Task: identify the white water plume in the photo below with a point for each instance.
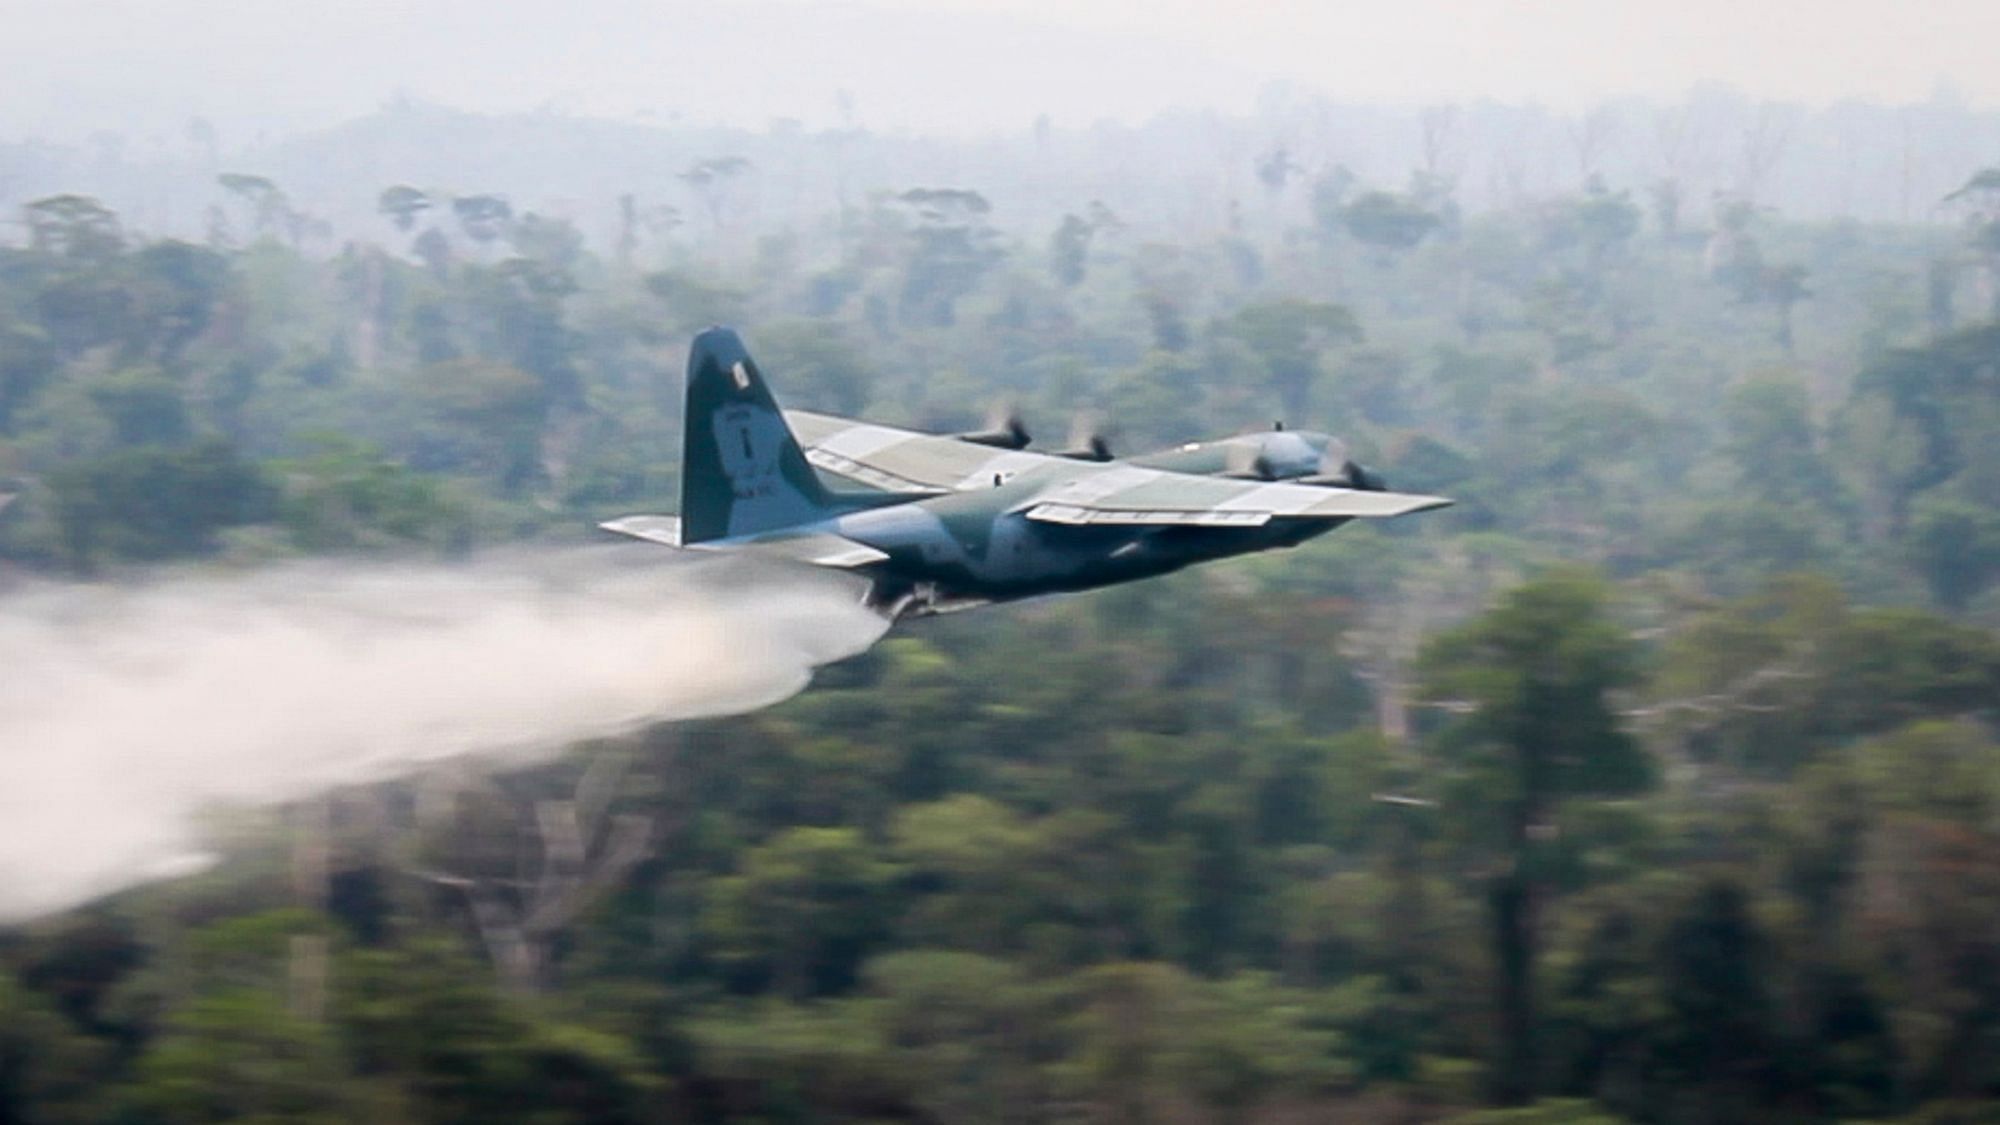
(125, 711)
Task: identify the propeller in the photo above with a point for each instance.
(1086, 443)
(1337, 471)
(1094, 448)
(1245, 461)
(1367, 479)
(1004, 430)
(1333, 459)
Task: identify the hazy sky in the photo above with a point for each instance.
(146, 66)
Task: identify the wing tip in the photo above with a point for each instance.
(1427, 503)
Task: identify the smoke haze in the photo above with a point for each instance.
(124, 712)
(943, 66)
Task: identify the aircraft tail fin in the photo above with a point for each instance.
(742, 471)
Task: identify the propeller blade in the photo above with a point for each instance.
(1337, 470)
(1094, 449)
(1333, 459)
(1086, 443)
(1246, 461)
(1004, 430)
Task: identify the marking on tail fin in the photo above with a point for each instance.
(750, 443)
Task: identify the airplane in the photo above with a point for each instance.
(946, 522)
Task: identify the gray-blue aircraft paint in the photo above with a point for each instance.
(942, 523)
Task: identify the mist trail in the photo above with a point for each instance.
(126, 711)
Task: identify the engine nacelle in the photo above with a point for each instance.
(1277, 455)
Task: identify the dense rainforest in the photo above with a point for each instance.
(1656, 781)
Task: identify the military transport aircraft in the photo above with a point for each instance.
(945, 523)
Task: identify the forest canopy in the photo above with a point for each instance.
(1658, 780)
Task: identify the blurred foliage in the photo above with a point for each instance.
(1700, 825)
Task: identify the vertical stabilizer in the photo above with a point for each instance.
(742, 471)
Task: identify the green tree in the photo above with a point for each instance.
(237, 1055)
(1251, 1041)
(1979, 200)
(173, 291)
(973, 1036)
(1921, 416)
(1783, 287)
(484, 218)
(346, 496)
(486, 417)
(28, 363)
(270, 210)
(1132, 1017)
(1887, 667)
(822, 361)
(1596, 224)
(1604, 1002)
(803, 911)
(1069, 251)
(143, 408)
(951, 248)
(1534, 678)
(977, 863)
(1290, 336)
(49, 1070)
(75, 227)
(1955, 546)
(1719, 1040)
(1929, 886)
(1773, 442)
(713, 182)
(155, 503)
(425, 1023)
(403, 205)
(1388, 221)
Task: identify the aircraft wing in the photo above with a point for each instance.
(1136, 496)
(896, 460)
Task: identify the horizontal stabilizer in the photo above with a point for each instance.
(653, 529)
(822, 549)
(817, 548)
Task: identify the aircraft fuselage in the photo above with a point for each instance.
(978, 546)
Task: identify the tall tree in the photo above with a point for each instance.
(1532, 681)
(402, 204)
(76, 227)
